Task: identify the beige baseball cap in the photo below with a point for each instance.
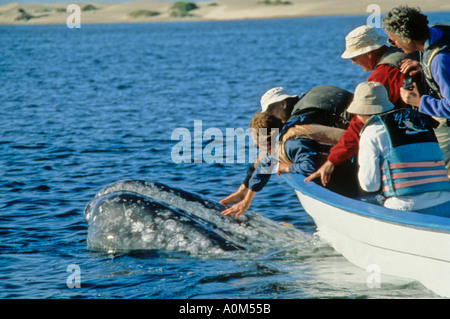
(370, 98)
(276, 94)
(362, 40)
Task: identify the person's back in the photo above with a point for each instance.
(400, 155)
(322, 104)
(317, 122)
(303, 152)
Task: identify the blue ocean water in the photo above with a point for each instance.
(82, 108)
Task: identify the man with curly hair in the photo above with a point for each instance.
(407, 28)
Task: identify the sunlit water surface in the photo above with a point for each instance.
(83, 108)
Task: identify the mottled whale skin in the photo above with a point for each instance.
(140, 215)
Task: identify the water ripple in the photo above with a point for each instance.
(87, 108)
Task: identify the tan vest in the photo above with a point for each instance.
(324, 135)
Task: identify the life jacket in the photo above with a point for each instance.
(441, 45)
(324, 104)
(321, 112)
(324, 136)
(415, 162)
(393, 57)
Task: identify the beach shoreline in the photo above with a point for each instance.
(220, 10)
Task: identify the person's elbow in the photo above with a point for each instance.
(368, 185)
(303, 168)
(368, 188)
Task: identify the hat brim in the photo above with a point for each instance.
(348, 54)
(361, 108)
(276, 99)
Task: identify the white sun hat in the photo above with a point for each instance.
(370, 98)
(276, 94)
(362, 40)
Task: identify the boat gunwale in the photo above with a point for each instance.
(354, 206)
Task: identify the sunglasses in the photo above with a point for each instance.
(391, 42)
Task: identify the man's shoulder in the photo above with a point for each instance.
(373, 128)
(383, 73)
(442, 59)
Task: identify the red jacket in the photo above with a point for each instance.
(348, 144)
(392, 79)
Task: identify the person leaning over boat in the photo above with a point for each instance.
(276, 101)
(408, 29)
(399, 154)
(366, 48)
(299, 152)
(280, 103)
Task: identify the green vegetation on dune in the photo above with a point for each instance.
(274, 2)
(182, 8)
(143, 13)
(89, 7)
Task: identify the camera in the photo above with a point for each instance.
(408, 83)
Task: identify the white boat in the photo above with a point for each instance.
(403, 244)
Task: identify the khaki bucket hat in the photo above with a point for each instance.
(276, 94)
(370, 98)
(362, 40)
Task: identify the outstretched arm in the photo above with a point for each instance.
(346, 147)
(241, 207)
(258, 180)
(238, 195)
(324, 172)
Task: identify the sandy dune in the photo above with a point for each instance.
(148, 11)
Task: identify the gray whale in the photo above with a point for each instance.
(139, 215)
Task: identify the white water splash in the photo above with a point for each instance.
(117, 223)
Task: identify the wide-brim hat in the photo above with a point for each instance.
(276, 94)
(362, 40)
(370, 98)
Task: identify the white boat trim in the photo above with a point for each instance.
(404, 244)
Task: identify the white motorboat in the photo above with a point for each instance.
(404, 244)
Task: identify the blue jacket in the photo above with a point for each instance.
(304, 154)
(440, 70)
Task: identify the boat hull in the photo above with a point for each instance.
(403, 244)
